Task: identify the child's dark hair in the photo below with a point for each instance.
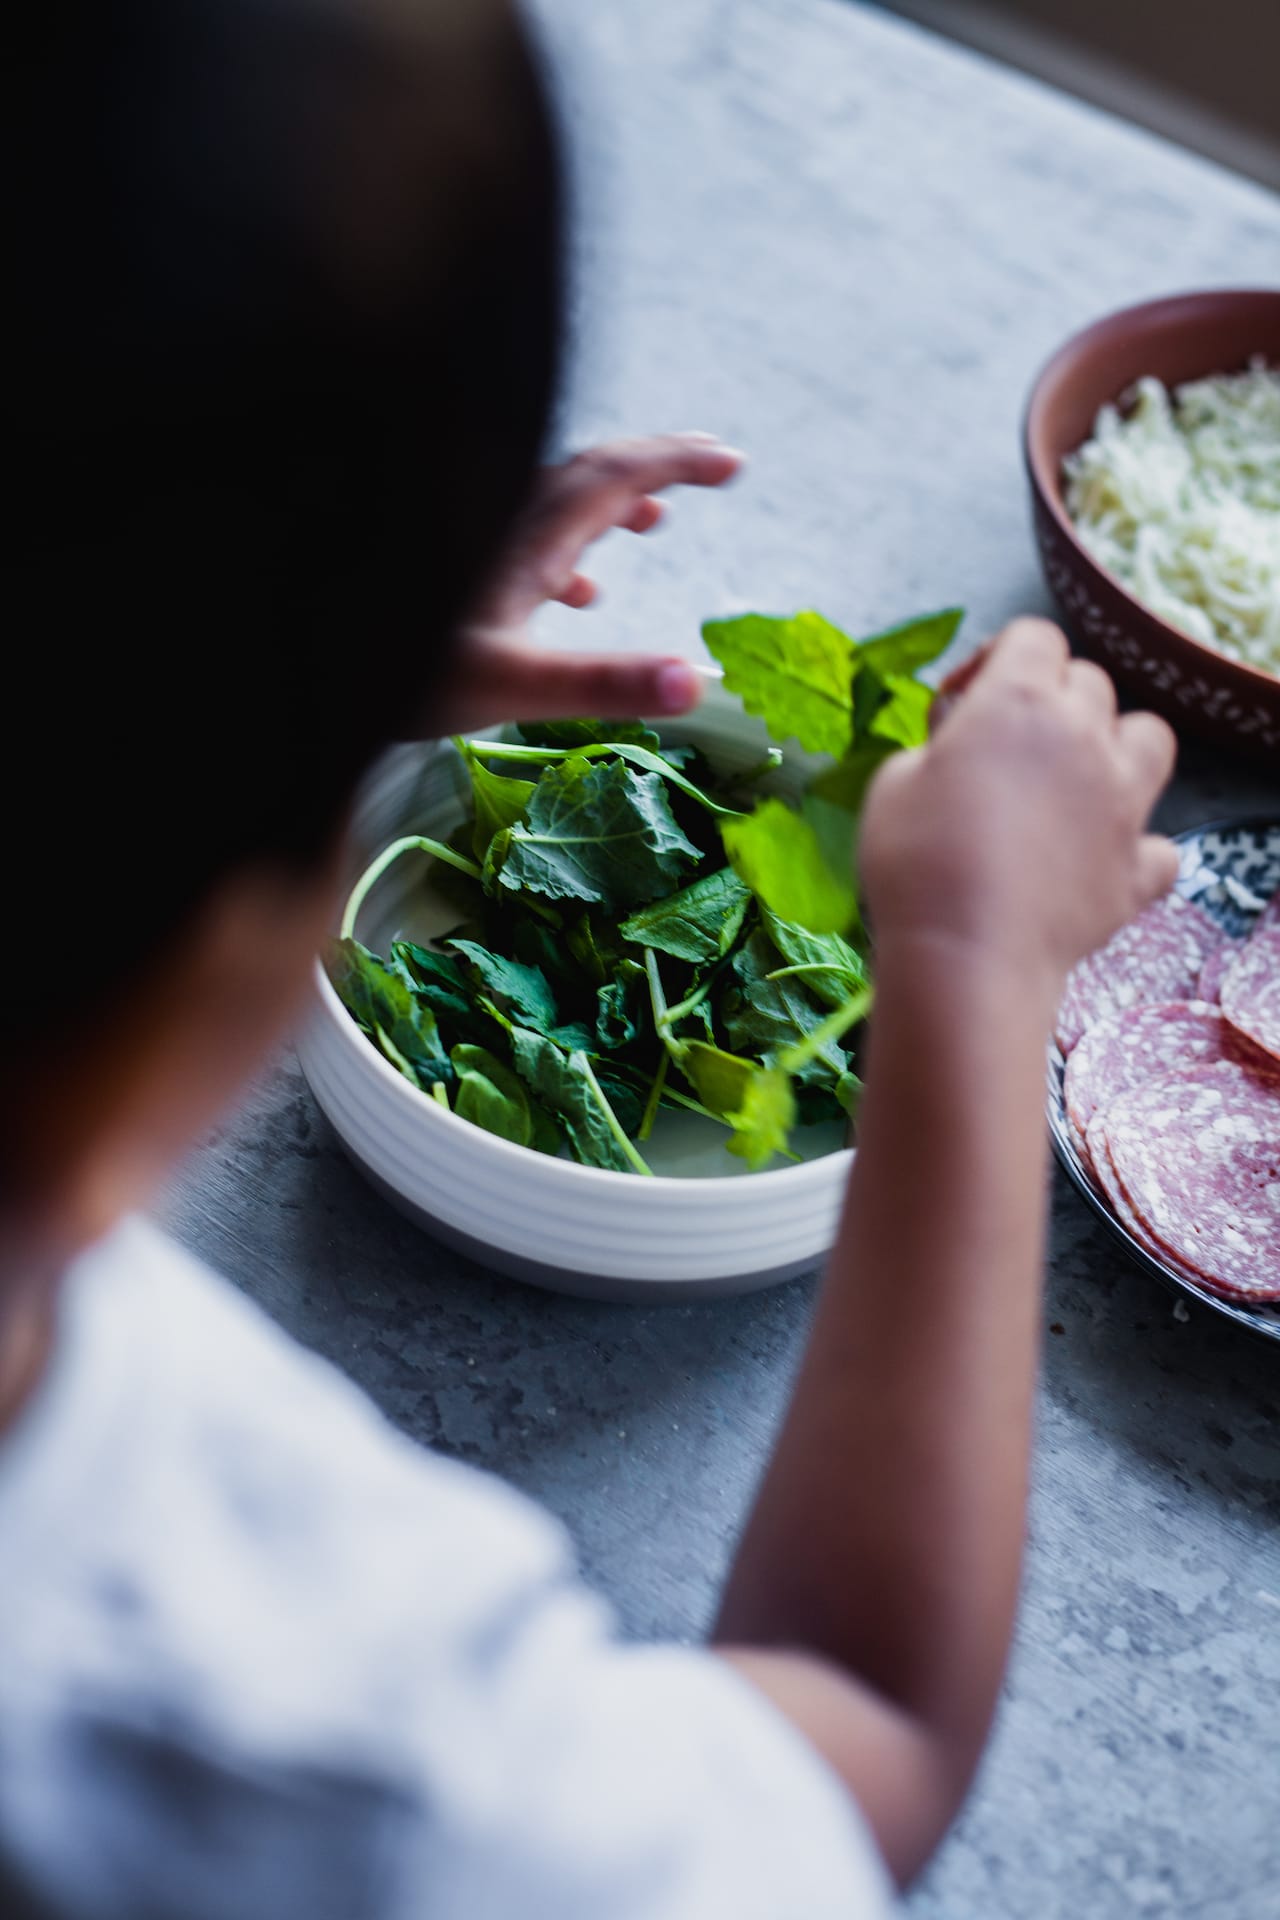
(287, 288)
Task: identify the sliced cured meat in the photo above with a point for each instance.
(1209, 985)
(1146, 1043)
(1270, 915)
(1157, 957)
(1197, 1157)
(1104, 1172)
(1251, 990)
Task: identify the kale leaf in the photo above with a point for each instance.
(795, 674)
(383, 1001)
(595, 831)
(699, 923)
(779, 855)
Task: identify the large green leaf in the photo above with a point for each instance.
(437, 978)
(523, 992)
(827, 966)
(832, 806)
(719, 1078)
(596, 831)
(779, 855)
(699, 923)
(763, 1123)
(668, 764)
(383, 1001)
(566, 1084)
(767, 1018)
(499, 801)
(795, 674)
(491, 1096)
(914, 644)
(755, 1100)
(903, 718)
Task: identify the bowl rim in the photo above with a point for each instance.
(507, 1154)
(1047, 484)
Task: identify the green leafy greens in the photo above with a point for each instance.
(644, 933)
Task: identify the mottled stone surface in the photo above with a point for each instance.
(848, 247)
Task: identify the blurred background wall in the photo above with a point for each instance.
(1203, 72)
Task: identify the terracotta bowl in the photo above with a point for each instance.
(1199, 690)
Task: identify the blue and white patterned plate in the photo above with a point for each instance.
(1231, 868)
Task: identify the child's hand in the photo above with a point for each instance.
(1019, 831)
(501, 674)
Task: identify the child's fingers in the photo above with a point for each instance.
(612, 485)
(507, 681)
(1157, 867)
(608, 685)
(649, 465)
(1093, 690)
(1027, 653)
(578, 591)
(1148, 748)
(646, 513)
(1032, 652)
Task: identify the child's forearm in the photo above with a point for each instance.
(886, 1539)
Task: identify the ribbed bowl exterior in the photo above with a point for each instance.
(577, 1229)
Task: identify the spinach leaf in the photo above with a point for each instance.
(622, 1096)
(544, 947)
(849, 1092)
(588, 951)
(720, 1079)
(595, 832)
(524, 992)
(768, 1017)
(589, 733)
(903, 718)
(699, 923)
(822, 962)
(795, 674)
(384, 1003)
(905, 649)
(437, 979)
(763, 1123)
(491, 1095)
(567, 1085)
(832, 807)
(755, 1101)
(499, 801)
(616, 1006)
(665, 765)
(779, 855)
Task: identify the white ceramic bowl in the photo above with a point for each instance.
(616, 1236)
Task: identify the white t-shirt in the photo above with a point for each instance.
(262, 1658)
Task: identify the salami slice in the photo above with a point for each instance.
(1157, 957)
(1146, 1043)
(1209, 985)
(1104, 1171)
(1270, 915)
(1251, 990)
(1197, 1156)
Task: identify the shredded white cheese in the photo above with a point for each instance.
(1179, 497)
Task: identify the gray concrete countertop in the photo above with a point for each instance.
(848, 247)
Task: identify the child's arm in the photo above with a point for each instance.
(874, 1592)
(500, 674)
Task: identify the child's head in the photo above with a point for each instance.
(287, 298)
